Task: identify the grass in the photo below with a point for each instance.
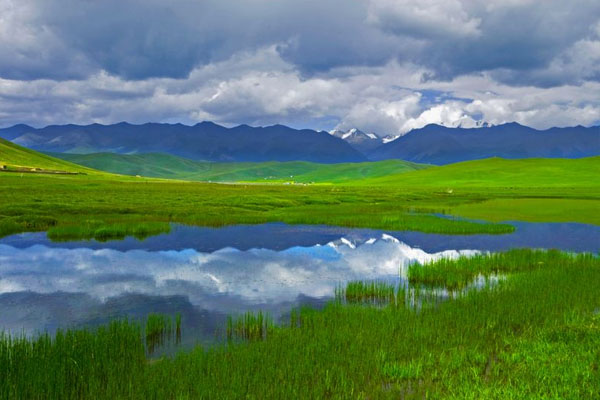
(250, 326)
(505, 173)
(168, 166)
(161, 329)
(13, 156)
(373, 292)
(457, 274)
(535, 210)
(121, 205)
(534, 335)
(104, 232)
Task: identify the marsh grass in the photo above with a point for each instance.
(103, 232)
(370, 292)
(534, 335)
(160, 330)
(457, 274)
(72, 364)
(250, 326)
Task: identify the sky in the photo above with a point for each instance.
(383, 66)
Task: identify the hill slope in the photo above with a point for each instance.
(173, 167)
(204, 141)
(435, 144)
(498, 172)
(15, 157)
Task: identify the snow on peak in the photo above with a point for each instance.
(390, 138)
(348, 243)
(353, 133)
(389, 238)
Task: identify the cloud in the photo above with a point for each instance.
(423, 18)
(262, 88)
(371, 64)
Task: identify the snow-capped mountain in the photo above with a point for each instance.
(361, 141)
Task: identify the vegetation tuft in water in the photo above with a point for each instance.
(250, 326)
(456, 274)
(161, 329)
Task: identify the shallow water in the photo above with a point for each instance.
(208, 273)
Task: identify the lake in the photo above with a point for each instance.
(209, 273)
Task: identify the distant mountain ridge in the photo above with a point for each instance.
(204, 141)
(436, 144)
(361, 141)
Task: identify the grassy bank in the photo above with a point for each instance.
(533, 335)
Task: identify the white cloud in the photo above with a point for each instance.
(261, 88)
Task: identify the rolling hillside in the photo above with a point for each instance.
(14, 157)
(498, 172)
(173, 167)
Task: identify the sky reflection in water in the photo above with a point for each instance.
(196, 271)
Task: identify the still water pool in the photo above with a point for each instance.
(209, 273)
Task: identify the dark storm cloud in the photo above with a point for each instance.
(140, 39)
(364, 63)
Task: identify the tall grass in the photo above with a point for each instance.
(250, 326)
(73, 364)
(161, 329)
(534, 335)
(456, 274)
(370, 292)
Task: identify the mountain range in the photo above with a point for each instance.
(435, 144)
(207, 141)
(204, 141)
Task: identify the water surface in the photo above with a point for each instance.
(208, 273)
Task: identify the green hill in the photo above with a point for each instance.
(499, 172)
(16, 158)
(168, 166)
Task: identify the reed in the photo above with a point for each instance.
(250, 326)
(536, 334)
(457, 274)
(370, 292)
(160, 330)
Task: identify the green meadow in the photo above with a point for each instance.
(102, 205)
(167, 166)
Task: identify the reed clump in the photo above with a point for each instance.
(370, 292)
(458, 273)
(104, 232)
(250, 326)
(161, 329)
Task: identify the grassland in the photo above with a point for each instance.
(534, 335)
(103, 205)
(14, 156)
(172, 167)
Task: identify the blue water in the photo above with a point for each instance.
(208, 273)
(278, 236)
